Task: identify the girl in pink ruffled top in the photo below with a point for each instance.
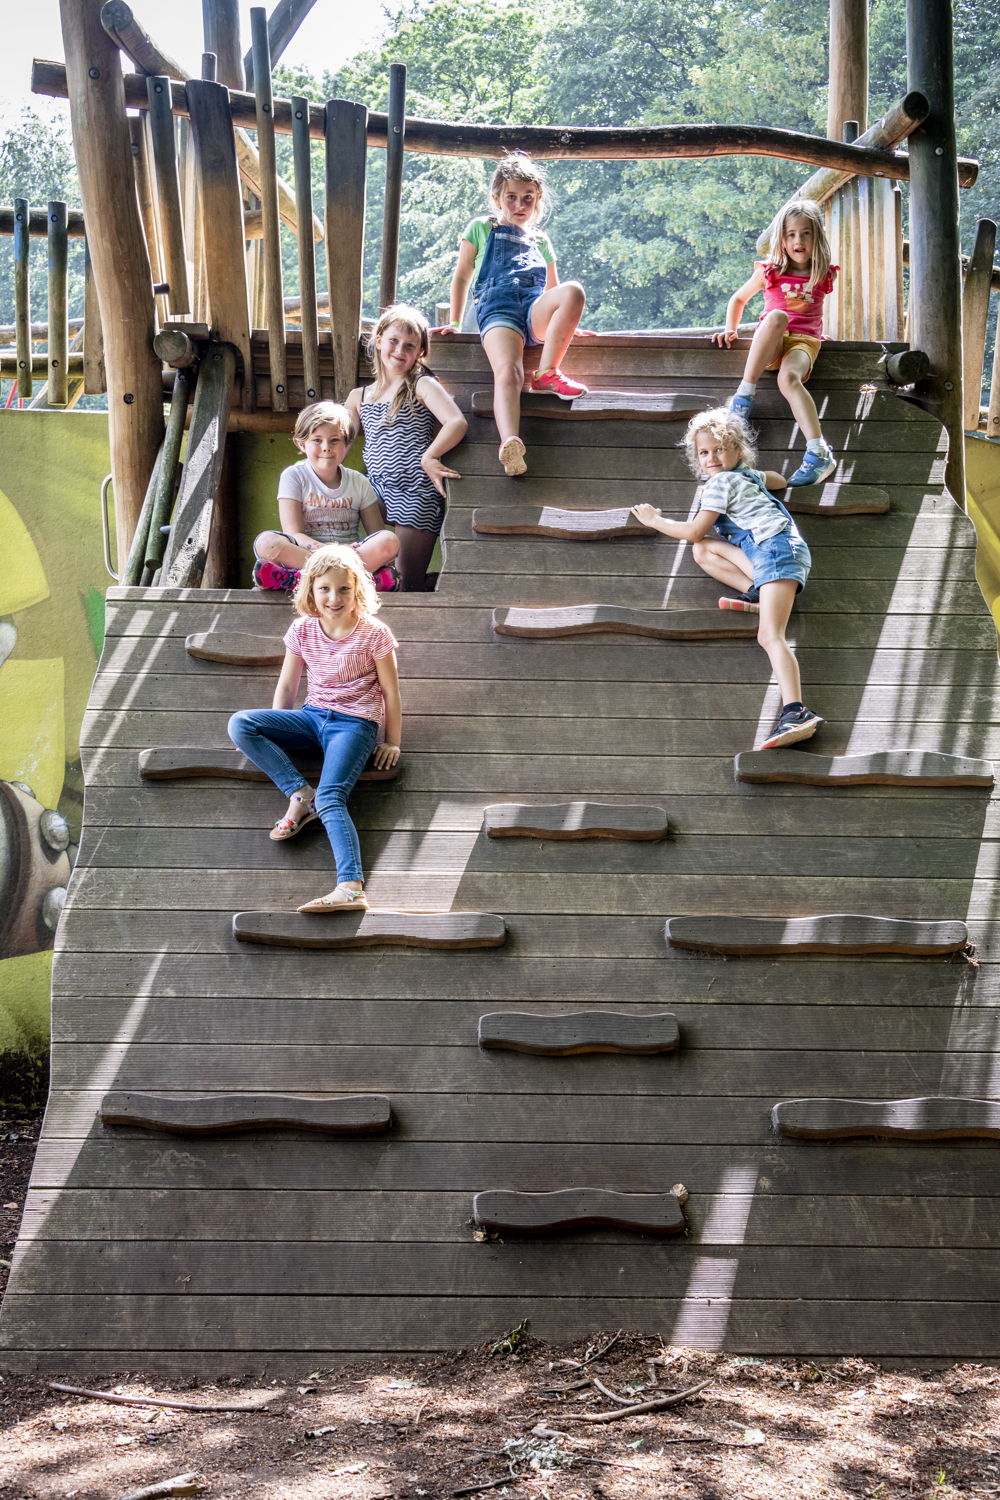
(795, 277)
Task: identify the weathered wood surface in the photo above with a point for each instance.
(936, 1118)
(578, 1031)
(598, 406)
(171, 764)
(844, 933)
(197, 505)
(371, 929)
(503, 1212)
(588, 619)
(223, 1114)
(890, 768)
(235, 649)
(574, 820)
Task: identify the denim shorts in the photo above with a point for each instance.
(507, 303)
(781, 556)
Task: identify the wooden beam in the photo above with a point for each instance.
(95, 376)
(393, 184)
(22, 296)
(58, 341)
(38, 222)
(975, 316)
(847, 95)
(168, 195)
(190, 535)
(309, 321)
(118, 20)
(346, 148)
(221, 28)
(274, 307)
(286, 18)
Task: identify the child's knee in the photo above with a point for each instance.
(701, 552)
(267, 545)
(237, 724)
(574, 297)
(789, 380)
(775, 321)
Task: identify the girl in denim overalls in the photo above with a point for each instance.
(746, 539)
(519, 299)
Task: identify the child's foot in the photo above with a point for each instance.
(740, 406)
(272, 575)
(747, 602)
(814, 468)
(511, 455)
(341, 898)
(386, 579)
(794, 723)
(554, 383)
(301, 810)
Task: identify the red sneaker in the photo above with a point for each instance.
(386, 579)
(554, 383)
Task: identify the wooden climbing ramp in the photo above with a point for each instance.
(260, 1147)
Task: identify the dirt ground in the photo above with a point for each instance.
(506, 1420)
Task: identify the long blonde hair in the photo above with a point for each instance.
(771, 244)
(413, 322)
(335, 555)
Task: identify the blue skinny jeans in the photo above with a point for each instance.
(345, 743)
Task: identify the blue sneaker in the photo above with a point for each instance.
(740, 406)
(814, 468)
(794, 724)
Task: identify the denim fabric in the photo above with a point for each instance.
(782, 556)
(510, 281)
(345, 742)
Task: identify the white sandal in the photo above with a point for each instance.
(341, 898)
(287, 827)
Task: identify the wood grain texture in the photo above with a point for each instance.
(887, 768)
(371, 929)
(578, 1031)
(171, 764)
(604, 405)
(933, 1118)
(233, 648)
(842, 933)
(500, 1211)
(574, 820)
(225, 1114)
(614, 619)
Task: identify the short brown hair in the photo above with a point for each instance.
(311, 417)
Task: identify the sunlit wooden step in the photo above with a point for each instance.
(885, 768)
(936, 1118)
(174, 763)
(574, 820)
(502, 1211)
(578, 1031)
(616, 619)
(849, 933)
(371, 929)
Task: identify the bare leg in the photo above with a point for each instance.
(415, 549)
(776, 600)
(766, 345)
(378, 549)
(505, 352)
(724, 562)
(271, 546)
(794, 368)
(555, 318)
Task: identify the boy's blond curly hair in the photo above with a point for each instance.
(335, 555)
(724, 426)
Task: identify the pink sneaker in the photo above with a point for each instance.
(554, 383)
(386, 579)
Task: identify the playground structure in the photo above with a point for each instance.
(269, 1135)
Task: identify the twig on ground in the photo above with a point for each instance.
(579, 1364)
(612, 1395)
(489, 1484)
(640, 1406)
(420, 1411)
(574, 1385)
(80, 1390)
(181, 1484)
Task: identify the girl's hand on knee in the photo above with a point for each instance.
(647, 514)
(384, 757)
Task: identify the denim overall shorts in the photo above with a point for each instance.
(784, 555)
(511, 278)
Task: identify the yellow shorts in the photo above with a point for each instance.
(799, 341)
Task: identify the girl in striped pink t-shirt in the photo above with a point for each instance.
(351, 713)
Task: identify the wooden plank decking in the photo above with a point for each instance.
(204, 1252)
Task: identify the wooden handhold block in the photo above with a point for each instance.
(574, 820)
(616, 619)
(833, 499)
(174, 764)
(501, 1211)
(936, 1118)
(217, 1114)
(886, 768)
(579, 1031)
(239, 650)
(596, 406)
(826, 934)
(371, 929)
(550, 520)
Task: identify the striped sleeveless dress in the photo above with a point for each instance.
(392, 458)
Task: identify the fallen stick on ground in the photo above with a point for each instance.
(611, 1395)
(81, 1390)
(638, 1408)
(181, 1484)
(578, 1364)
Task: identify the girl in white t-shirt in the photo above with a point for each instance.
(320, 501)
(351, 713)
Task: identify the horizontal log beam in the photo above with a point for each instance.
(555, 142)
(38, 222)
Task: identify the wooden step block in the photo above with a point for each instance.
(937, 1118)
(371, 929)
(826, 934)
(597, 406)
(834, 498)
(219, 1114)
(578, 1031)
(235, 648)
(500, 1211)
(884, 768)
(574, 820)
(552, 521)
(616, 619)
(177, 763)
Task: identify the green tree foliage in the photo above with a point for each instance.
(37, 163)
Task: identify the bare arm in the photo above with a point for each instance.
(353, 404)
(387, 754)
(734, 311)
(289, 678)
(290, 515)
(775, 481)
(453, 429)
(462, 280)
(682, 531)
(551, 275)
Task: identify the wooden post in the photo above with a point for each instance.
(58, 340)
(935, 265)
(307, 253)
(22, 295)
(393, 184)
(274, 300)
(286, 18)
(346, 145)
(190, 536)
(993, 414)
(847, 98)
(168, 196)
(156, 542)
(121, 265)
(975, 315)
(221, 26)
(95, 380)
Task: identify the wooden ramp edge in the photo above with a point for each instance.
(574, 820)
(935, 1118)
(844, 933)
(370, 929)
(502, 1211)
(885, 768)
(616, 619)
(220, 1114)
(578, 1032)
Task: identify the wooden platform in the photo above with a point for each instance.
(306, 1244)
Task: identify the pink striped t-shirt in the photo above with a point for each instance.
(341, 674)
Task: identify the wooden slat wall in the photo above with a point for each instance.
(199, 1253)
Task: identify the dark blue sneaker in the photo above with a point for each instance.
(814, 468)
(740, 406)
(793, 724)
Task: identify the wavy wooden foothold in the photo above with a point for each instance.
(371, 929)
(578, 1031)
(553, 521)
(574, 820)
(220, 1114)
(835, 500)
(597, 406)
(885, 768)
(235, 648)
(501, 1211)
(936, 1118)
(836, 933)
(175, 764)
(615, 619)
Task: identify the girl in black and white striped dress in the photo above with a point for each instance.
(409, 421)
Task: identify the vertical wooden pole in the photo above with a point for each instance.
(168, 196)
(221, 26)
(848, 93)
(307, 252)
(396, 125)
(897, 216)
(95, 380)
(935, 257)
(274, 298)
(58, 341)
(993, 415)
(144, 194)
(22, 296)
(346, 145)
(121, 265)
(975, 315)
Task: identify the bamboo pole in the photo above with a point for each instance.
(221, 26)
(307, 255)
(274, 319)
(58, 352)
(121, 265)
(168, 196)
(22, 296)
(286, 18)
(393, 184)
(847, 96)
(346, 145)
(975, 316)
(95, 377)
